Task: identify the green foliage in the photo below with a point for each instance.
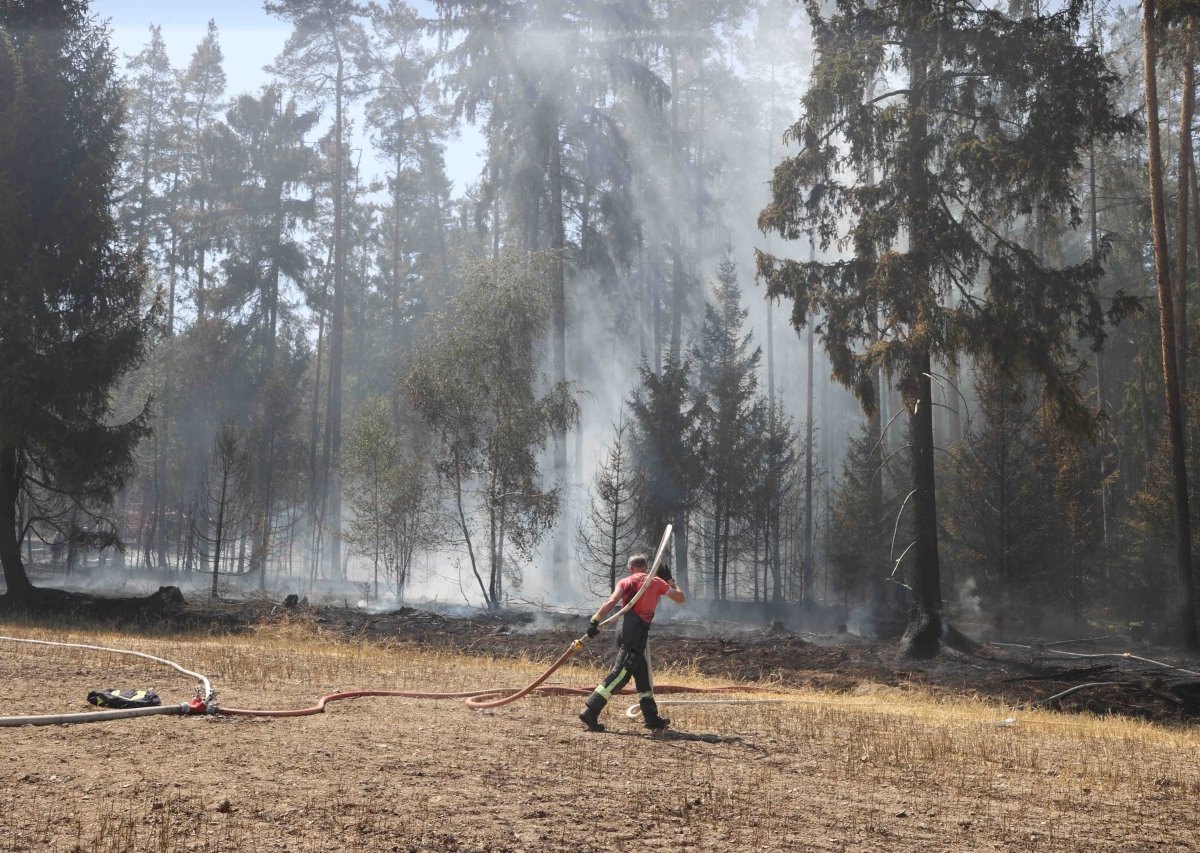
(271, 161)
(665, 440)
(608, 531)
(990, 127)
(388, 486)
(72, 318)
(861, 527)
(546, 73)
(152, 88)
(473, 382)
(730, 419)
(773, 484)
(982, 120)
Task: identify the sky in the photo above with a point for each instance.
(250, 40)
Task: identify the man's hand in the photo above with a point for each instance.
(664, 572)
(593, 628)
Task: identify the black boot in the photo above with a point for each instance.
(650, 717)
(656, 723)
(591, 712)
(588, 716)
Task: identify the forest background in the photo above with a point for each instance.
(461, 303)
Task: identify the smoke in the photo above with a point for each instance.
(967, 600)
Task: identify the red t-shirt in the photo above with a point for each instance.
(648, 602)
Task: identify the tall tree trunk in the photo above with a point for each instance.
(559, 310)
(15, 579)
(397, 290)
(922, 636)
(680, 525)
(677, 279)
(266, 382)
(809, 423)
(1187, 108)
(333, 421)
(1186, 613)
(1094, 228)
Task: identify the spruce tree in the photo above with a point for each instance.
(72, 318)
(727, 386)
(986, 123)
(665, 440)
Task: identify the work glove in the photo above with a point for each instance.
(593, 628)
(664, 572)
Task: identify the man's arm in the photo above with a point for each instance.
(675, 593)
(608, 605)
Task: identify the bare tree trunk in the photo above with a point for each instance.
(1188, 103)
(16, 580)
(333, 418)
(1186, 613)
(677, 282)
(559, 308)
(809, 549)
(922, 636)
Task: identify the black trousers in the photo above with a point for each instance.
(632, 662)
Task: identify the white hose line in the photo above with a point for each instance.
(208, 691)
(662, 547)
(634, 711)
(92, 717)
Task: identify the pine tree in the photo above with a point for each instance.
(324, 56)
(151, 86)
(201, 102)
(1174, 388)
(72, 317)
(274, 162)
(544, 71)
(987, 126)
(410, 121)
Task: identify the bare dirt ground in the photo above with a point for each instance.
(866, 752)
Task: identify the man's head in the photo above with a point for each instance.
(637, 563)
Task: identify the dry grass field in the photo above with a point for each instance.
(872, 768)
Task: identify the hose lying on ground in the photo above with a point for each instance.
(553, 690)
(208, 691)
(94, 716)
(634, 711)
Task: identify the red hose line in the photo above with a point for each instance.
(488, 700)
(477, 699)
(319, 708)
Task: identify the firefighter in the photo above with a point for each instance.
(632, 657)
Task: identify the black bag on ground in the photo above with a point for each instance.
(124, 698)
